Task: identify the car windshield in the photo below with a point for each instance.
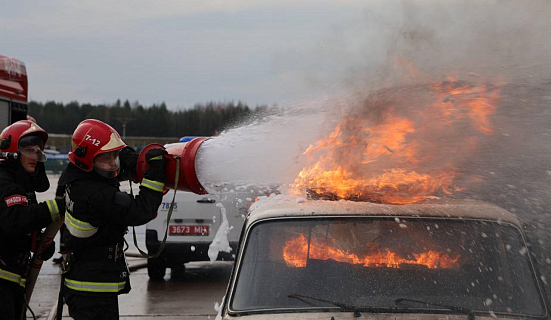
(372, 262)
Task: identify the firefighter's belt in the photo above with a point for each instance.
(89, 286)
(100, 253)
(13, 277)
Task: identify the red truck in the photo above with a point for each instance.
(13, 91)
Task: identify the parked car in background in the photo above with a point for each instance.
(341, 260)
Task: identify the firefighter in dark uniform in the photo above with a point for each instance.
(98, 215)
(21, 216)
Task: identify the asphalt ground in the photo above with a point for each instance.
(189, 294)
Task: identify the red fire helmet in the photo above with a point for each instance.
(90, 139)
(12, 135)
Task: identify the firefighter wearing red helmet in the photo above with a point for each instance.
(98, 215)
(22, 174)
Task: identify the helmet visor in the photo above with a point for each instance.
(107, 164)
(31, 146)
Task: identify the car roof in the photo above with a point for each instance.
(285, 206)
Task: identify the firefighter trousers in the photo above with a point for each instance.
(92, 307)
(12, 301)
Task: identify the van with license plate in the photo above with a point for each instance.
(193, 225)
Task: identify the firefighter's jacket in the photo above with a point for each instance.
(21, 218)
(97, 217)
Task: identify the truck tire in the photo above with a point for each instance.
(155, 269)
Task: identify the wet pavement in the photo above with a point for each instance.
(189, 294)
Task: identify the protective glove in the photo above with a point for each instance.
(156, 161)
(129, 161)
(48, 253)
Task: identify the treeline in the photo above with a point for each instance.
(155, 121)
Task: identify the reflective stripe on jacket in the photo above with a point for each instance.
(79, 228)
(153, 185)
(54, 210)
(88, 286)
(13, 277)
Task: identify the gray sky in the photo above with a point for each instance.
(264, 52)
(180, 52)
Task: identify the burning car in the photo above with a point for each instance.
(304, 259)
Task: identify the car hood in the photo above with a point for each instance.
(365, 315)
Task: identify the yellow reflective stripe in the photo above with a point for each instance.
(79, 224)
(78, 228)
(54, 209)
(13, 277)
(95, 286)
(153, 185)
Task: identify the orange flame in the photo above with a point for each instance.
(296, 252)
(401, 156)
(459, 100)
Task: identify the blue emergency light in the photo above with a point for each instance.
(187, 138)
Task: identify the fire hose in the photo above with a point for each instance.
(36, 263)
(46, 241)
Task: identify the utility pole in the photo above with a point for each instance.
(124, 121)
